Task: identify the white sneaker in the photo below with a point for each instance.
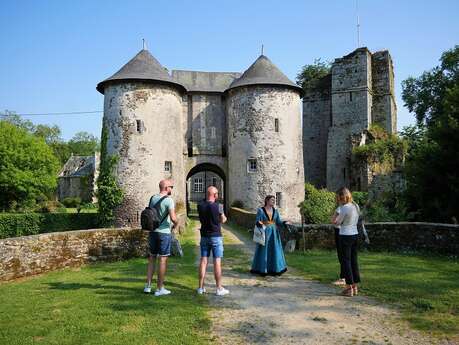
(162, 292)
(201, 291)
(147, 288)
(222, 291)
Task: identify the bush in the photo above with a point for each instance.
(23, 224)
(72, 202)
(318, 206)
(361, 198)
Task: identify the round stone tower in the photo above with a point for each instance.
(265, 149)
(143, 124)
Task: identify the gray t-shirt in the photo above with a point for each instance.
(166, 205)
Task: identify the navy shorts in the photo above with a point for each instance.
(160, 244)
(212, 244)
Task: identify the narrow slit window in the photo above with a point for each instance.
(276, 125)
(213, 132)
(139, 126)
(344, 174)
(278, 199)
(168, 166)
(350, 96)
(252, 165)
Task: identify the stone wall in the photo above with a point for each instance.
(430, 237)
(30, 255)
(316, 122)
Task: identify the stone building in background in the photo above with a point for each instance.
(77, 178)
(358, 92)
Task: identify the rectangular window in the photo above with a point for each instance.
(252, 165)
(168, 166)
(278, 199)
(198, 185)
(214, 181)
(276, 125)
(213, 132)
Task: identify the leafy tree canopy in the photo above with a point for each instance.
(28, 168)
(310, 75)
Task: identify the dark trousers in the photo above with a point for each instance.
(350, 266)
(339, 252)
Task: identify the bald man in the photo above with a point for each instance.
(211, 217)
(160, 239)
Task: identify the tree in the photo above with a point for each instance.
(310, 75)
(83, 144)
(28, 168)
(433, 158)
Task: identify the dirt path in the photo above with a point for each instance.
(292, 310)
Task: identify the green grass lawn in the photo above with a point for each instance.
(425, 288)
(104, 304)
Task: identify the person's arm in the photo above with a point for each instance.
(172, 213)
(335, 216)
(259, 218)
(278, 219)
(339, 218)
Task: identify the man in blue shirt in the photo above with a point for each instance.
(160, 239)
(211, 217)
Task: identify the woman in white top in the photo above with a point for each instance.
(348, 234)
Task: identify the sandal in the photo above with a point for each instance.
(339, 282)
(348, 292)
(355, 290)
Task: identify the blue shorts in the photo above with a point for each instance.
(212, 244)
(160, 244)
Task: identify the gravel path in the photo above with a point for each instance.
(292, 310)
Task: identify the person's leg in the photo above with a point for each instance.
(150, 268)
(161, 271)
(202, 271)
(218, 272)
(339, 254)
(355, 265)
(346, 243)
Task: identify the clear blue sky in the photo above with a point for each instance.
(53, 53)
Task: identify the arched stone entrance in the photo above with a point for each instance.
(198, 179)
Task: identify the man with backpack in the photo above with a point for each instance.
(160, 237)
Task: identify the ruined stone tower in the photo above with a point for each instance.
(357, 93)
(245, 129)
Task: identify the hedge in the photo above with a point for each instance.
(23, 224)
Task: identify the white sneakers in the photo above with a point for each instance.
(222, 291)
(201, 291)
(162, 292)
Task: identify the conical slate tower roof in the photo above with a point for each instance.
(264, 72)
(142, 67)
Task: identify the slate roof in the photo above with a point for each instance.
(264, 72)
(78, 166)
(142, 67)
(196, 81)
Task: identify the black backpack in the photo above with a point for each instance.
(150, 218)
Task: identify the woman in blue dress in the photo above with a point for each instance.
(269, 259)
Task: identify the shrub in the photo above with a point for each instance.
(23, 224)
(72, 201)
(50, 206)
(318, 205)
(361, 198)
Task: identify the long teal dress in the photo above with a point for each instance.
(269, 259)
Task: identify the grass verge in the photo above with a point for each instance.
(104, 304)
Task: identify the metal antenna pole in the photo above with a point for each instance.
(262, 49)
(144, 44)
(358, 23)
